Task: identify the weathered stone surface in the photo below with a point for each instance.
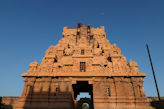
(83, 61)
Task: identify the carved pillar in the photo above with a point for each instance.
(52, 88)
(141, 88)
(119, 86)
(30, 85)
(112, 87)
(135, 82)
(46, 86)
(63, 87)
(36, 88)
(25, 87)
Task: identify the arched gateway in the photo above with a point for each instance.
(83, 61)
(83, 101)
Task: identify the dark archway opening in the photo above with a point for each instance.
(82, 88)
(84, 103)
(85, 106)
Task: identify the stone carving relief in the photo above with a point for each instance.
(68, 51)
(112, 61)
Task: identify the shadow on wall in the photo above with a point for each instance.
(158, 104)
(46, 100)
(40, 100)
(8, 102)
(1, 104)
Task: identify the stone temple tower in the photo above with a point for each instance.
(83, 61)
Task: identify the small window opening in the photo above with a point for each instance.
(82, 52)
(68, 46)
(108, 91)
(109, 59)
(102, 51)
(105, 65)
(82, 67)
(57, 89)
(78, 33)
(98, 46)
(91, 37)
(55, 60)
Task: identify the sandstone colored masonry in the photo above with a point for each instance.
(83, 61)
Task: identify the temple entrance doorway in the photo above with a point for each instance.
(83, 95)
(85, 106)
(84, 103)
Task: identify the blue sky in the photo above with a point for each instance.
(29, 27)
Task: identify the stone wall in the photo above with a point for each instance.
(9, 102)
(111, 92)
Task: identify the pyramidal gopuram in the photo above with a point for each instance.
(83, 61)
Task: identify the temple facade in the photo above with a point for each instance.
(83, 61)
